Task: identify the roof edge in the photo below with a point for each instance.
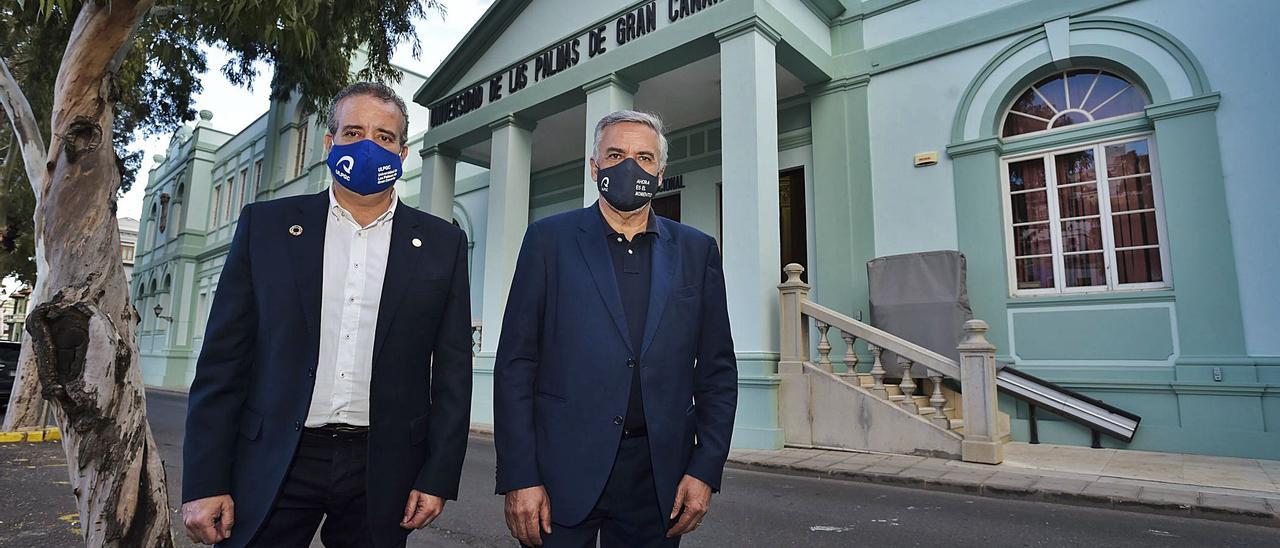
(494, 22)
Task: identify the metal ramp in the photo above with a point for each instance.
(1096, 415)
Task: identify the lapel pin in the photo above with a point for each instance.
(417, 242)
(295, 230)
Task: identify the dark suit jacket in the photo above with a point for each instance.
(256, 370)
(561, 378)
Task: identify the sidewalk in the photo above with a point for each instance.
(1223, 488)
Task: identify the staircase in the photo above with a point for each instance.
(858, 408)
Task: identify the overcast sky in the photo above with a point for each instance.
(234, 107)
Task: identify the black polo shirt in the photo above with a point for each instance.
(633, 266)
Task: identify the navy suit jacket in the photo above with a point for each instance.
(256, 370)
(561, 379)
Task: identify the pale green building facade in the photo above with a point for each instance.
(1120, 245)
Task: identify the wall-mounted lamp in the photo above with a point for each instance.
(160, 310)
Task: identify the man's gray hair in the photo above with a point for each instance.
(638, 117)
(377, 91)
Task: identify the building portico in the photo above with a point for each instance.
(713, 73)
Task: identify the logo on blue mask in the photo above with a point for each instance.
(364, 167)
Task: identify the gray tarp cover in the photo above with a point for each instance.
(920, 297)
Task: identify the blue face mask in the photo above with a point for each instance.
(363, 167)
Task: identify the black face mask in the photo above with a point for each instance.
(626, 186)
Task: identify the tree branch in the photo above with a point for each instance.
(25, 130)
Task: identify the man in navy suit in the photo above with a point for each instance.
(334, 381)
(615, 384)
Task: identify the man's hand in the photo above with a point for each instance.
(421, 510)
(209, 520)
(693, 498)
(529, 514)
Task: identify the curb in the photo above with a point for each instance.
(1004, 485)
(31, 436)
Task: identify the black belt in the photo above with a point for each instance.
(339, 431)
(638, 432)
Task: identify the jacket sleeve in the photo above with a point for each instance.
(515, 369)
(450, 417)
(220, 386)
(715, 389)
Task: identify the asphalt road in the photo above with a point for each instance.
(755, 509)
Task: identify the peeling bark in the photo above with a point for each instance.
(79, 344)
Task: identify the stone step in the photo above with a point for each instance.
(892, 390)
(925, 412)
(921, 401)
(865, 379)
(957, 425)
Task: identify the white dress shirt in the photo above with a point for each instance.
(355, 262)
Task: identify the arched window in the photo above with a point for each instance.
(1071, 98)
(1082, 216)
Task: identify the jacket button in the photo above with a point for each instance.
(311, 372)
(631, 362)
(297, 425)
(617, 420)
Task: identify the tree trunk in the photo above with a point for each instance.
(80, 339)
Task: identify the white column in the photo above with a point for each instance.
(749, 166)
(508, 217)
(439, 166)
(604, 96)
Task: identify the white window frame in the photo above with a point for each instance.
(1106, 218)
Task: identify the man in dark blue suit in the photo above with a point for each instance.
(615, 384)
(334, 381)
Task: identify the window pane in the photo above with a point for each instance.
(1128, 102)
(1032, 104)
(1075, 167)
(1081, 235)
(1032, 240)
(1139, 266)
(1135, 229)
(1017, 125)
(1107, 86)
(1133, 193)
(1035, 273)
(1128, 159)
(1026, 175)
(1071, 118)
(1084, 270)
(1053, 90)
(1078, 201)
(1078, 84)
(1030, 206)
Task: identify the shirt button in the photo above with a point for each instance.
(617, 420)
(630, 252)
(351, 300)
(619, 239)
(347, 337)
(631, 362)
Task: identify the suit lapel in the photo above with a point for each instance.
(662, 281)
(403, 261)
(594, 250)
(307, 252)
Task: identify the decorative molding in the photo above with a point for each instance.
(976, 146)
(753, 23)
(1184, 107)
(512, 120)
(838, 85)
(442, 150)
(612, 79)
(795, 139)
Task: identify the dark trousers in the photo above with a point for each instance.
(628, 514)
(326, 481)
